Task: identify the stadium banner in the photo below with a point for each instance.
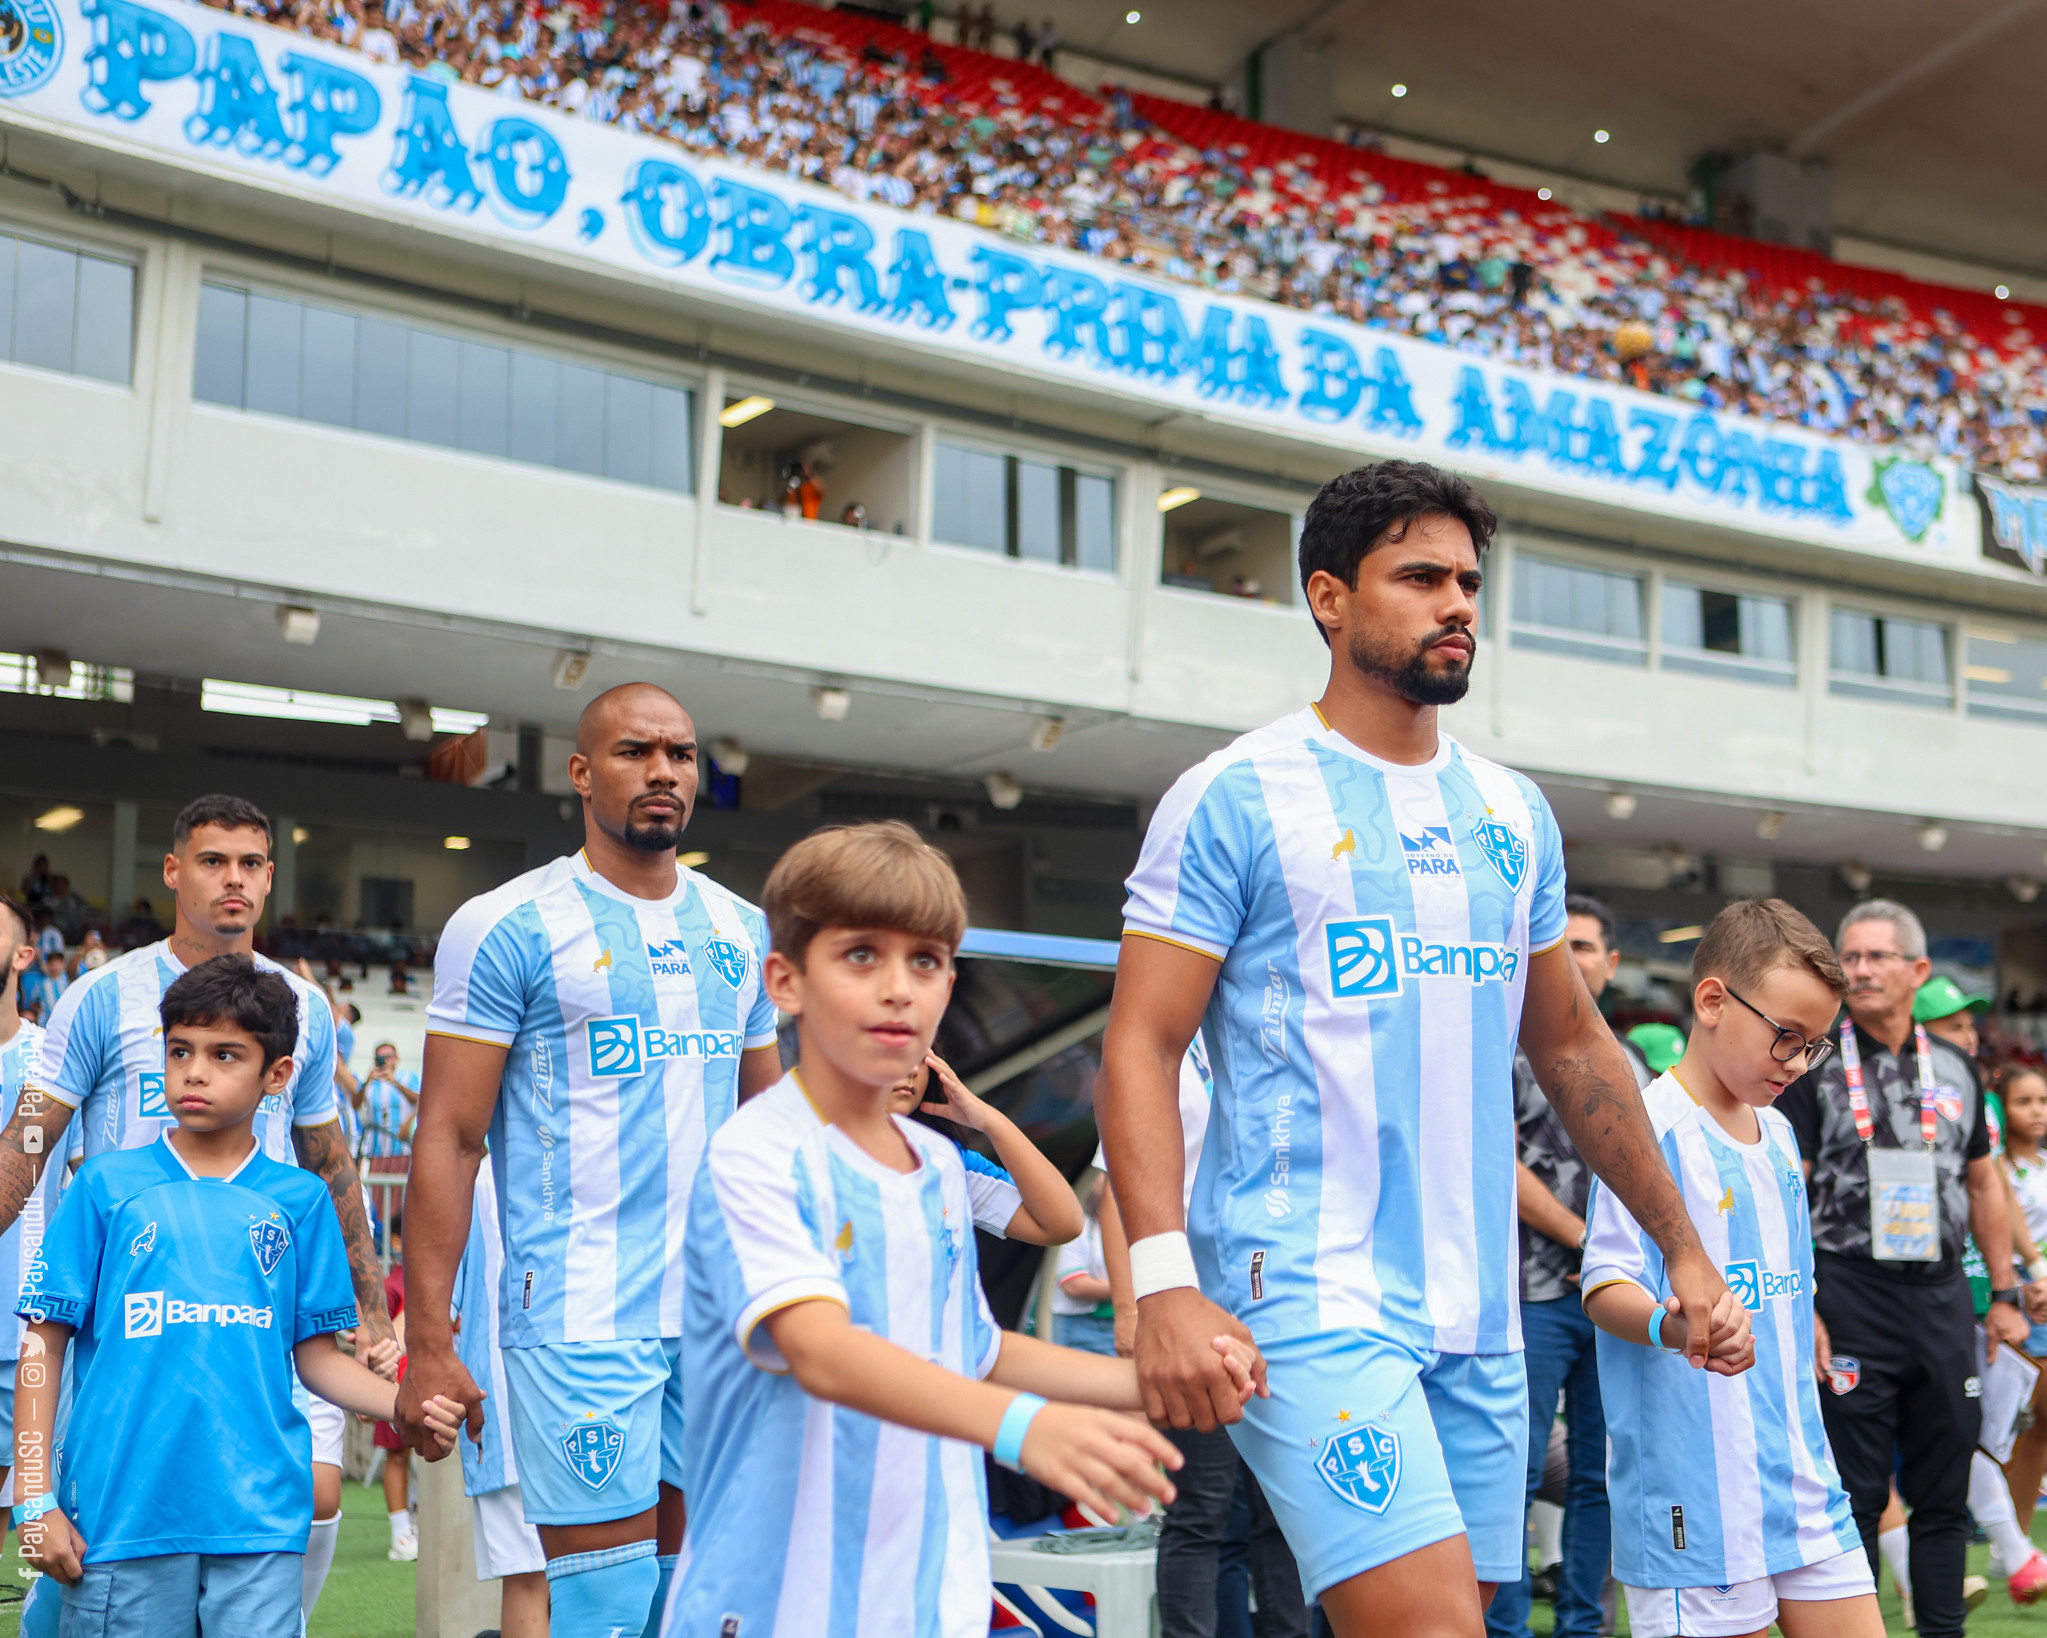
(201, 89)
(2014, 523)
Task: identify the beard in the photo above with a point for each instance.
(651, 838)
(1409, 673)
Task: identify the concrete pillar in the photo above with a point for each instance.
(449, 1601)
(284, 882)
(121, 868)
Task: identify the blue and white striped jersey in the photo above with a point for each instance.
(624, 1021)
(1374, 923)
(479, 1278)
(805, 1517)
(103, 1055)
(1718, 1479)
(22, 1244)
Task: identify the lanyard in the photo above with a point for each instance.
(1858, 1099)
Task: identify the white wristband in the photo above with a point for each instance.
(2036, 1270)
(1161, 1262)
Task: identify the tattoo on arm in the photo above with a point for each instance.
(1607, 1122)
(321, 1150)
(25, 1145)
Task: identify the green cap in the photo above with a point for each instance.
(1941, 997)
(1662, 1044)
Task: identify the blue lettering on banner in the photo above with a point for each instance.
(377, 135)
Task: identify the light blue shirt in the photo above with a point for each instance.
(102, 1055)
(624, 1020)
(385, 1110)
(187, 1296)
(489, 1465)
(1742, 1461)
(1373, 923)
(806, 1517)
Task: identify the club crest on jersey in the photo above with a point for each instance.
(593, 1447)
(1361, 958)
(1432, 853)
(270, 1240)
(1947, 1103)
(1362, 1465)
(729, 959)
(150, 1086)
(1843, 1372)
(1506, 852)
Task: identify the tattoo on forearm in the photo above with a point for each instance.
(320, 1150)
(24, 1148)
(1611, 1129)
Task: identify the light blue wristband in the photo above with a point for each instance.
(29, 1511)
(1016, 1421)
(1656, 1327)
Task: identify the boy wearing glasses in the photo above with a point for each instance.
(1728, 1514)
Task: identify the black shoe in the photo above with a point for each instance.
(1543, 1584)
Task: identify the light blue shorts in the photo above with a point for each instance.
(1369, 1450)
(179, 1595)
(596, 1426)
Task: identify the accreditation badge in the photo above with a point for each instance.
(1904, 1206)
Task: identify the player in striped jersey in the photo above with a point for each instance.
(507, 1547)
(1359, 914)
(599, 1019)
(1728, 1513)
(842, 1362)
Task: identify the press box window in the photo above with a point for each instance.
(1567, 609)
(1878, 657)
(1019, 507)
(281, 356)
(68, 310)
(1729, 635)
(818, 467)
(1215, 545)
(2007, 675)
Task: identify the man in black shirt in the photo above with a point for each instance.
(1897, 1155)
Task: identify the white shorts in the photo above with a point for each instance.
(505, 1543)
(1747, 1606)
(329, 1423)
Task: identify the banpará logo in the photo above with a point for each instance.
(146, 1313)
(623, 1046)
(1367, 958)
(31, 45)
(149, 1085)
(1756, 1285)
(1431, 853)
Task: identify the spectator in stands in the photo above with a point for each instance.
(141, 927)
(389, 1103)
(68, 908)
(35, 886)
(42, 984)
(49, 936)
(1049, 42)
(92, 951)
(1082, 1314)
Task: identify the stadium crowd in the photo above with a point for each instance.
(883, 113)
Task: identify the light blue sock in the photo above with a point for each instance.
(606, 1594)
(43, 1609)
(666, 1561)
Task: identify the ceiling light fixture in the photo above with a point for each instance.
(1133, 17)
(1542, 193)
(1680, 935)
(1178, 497)
(1003, 791)
(737, 414)
(1400, 90)
(237, 699)
(2023, 888)
(571, 666)
(832, 703)
(730, 756)
(60, 819)
(2004, 292)
(1602, 136)
(692, 861)
(1856, 876)
(1047, 732)
(1620, 804)
(1932, 837)
(1770, 825)
(299, 625)
(300, 836)
(455, 844)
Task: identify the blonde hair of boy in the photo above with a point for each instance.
(1751, 938)
(882, 875)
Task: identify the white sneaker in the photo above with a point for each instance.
(404, 1550)
(1911, 1618)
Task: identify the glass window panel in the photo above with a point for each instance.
(1037, 511)
(484, 416)
(275, 331)
(106, 319)
(45, 305)
(327, 382)
(1566, 598)
(1854, 645)
(1766, 629)
(1095, 523)
(1683, 626)
(1916, 651)
(534, 407)
(433, 388)
(9, 248)
(579, 434)
(971, 499)
(382, 349)
(628, 429)
(674, 454)
(1720, 622)
(223, 337)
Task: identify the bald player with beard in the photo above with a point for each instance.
(596, 1020)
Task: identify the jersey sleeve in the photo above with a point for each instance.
(312, 1098)
(1616, 1249)
(780, 1247)
(761, 1018)
(992, 1192)
(326, 1293)
(60, 1285)
(1072, 1261)
(481, 974)
(1189, 887)
(1546, 914)
(76, 1035)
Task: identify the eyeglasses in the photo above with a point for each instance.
(1868, 958)
(1789, 1043)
